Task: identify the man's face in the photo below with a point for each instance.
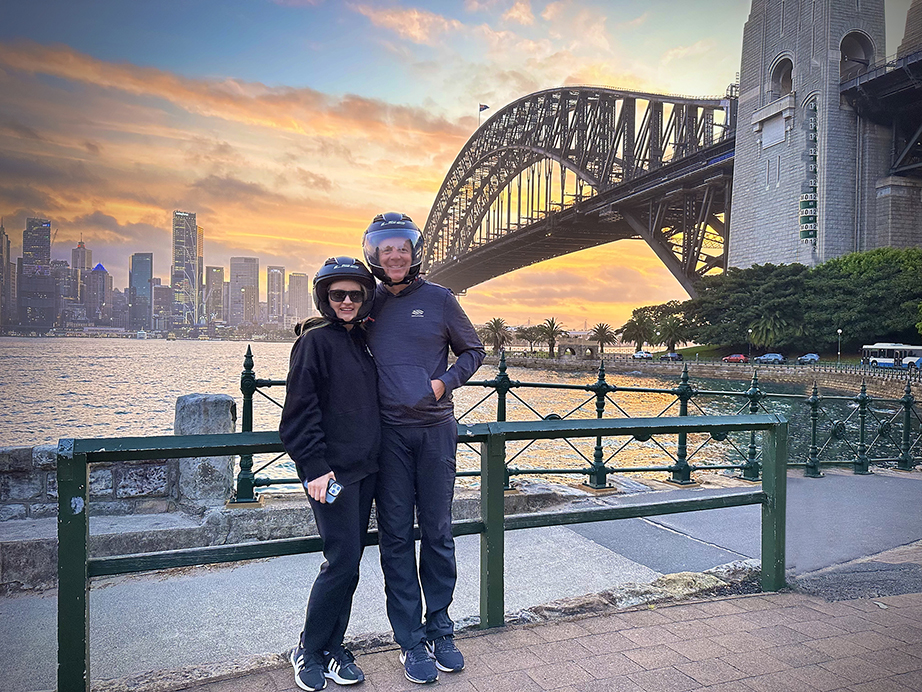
(395, 255)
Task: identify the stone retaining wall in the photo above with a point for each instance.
(29, 485)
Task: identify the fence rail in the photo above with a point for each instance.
(76, 567)
(829, 429)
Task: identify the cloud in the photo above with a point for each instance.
(17, 129)
(91, 147)
(314, 181)
(702, 47)
(520, 12)
(229, 190)
(415, 25)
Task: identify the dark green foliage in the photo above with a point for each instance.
(870, 296)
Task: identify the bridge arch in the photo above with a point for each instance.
(551, 151)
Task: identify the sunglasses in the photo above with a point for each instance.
(338, 296)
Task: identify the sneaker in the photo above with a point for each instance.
(418, 665)
(447, 656)
(308, 669)
(340, 667)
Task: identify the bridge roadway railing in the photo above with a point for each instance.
(828, 429)
(76, 567)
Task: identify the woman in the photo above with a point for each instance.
(331, 429)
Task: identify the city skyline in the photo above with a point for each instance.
(285, 126)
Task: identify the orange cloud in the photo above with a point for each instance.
(416, 25)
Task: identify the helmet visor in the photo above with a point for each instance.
(387, 243)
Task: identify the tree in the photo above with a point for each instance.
(550, 331)
(602, 334)
(672, 329)
(496, 332)
(530, 334)
(639, 330)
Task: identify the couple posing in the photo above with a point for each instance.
(368, 409)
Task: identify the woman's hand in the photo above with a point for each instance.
(317, 488)
(438, 388)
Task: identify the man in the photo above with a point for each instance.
(414, 324)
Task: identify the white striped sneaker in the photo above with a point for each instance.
(340, 667)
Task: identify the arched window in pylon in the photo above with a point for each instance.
(857, 54)
(782, 78)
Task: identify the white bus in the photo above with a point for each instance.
(886, 355)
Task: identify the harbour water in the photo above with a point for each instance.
(64, 387)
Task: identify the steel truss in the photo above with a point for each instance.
(560, 150)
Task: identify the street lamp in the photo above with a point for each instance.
(839, 349)
(750, 343)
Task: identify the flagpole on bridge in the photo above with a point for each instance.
(480, 110)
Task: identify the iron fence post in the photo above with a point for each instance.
(598, 475)
(754, 394)
(861, 465)
(492, 540)
(906, 463)
(246, 479)
(681, 473)
(774, 484)
(73, 576)
(812, 468)
(502, 384)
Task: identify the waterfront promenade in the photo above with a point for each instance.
(237, 621)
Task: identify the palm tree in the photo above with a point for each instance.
(530, 334)
(771, 328)
(550, 331)
(672, 330)
(496, 332)
(603, 334)
(639, 329)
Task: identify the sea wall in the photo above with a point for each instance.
(28, 475)
(882, 384)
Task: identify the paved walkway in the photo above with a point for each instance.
(786, 641)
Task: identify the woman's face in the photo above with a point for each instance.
(347, 309)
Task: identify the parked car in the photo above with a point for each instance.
(773, 358)
(735, 358)
(642, 355)
(671, 356)
(808, 358)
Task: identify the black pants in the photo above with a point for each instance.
(343, 526)
(417, 470)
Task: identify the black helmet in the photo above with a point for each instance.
(339, 269)
(389, 225)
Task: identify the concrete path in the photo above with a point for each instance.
(211, 614)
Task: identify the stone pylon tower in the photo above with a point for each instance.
(805, 166)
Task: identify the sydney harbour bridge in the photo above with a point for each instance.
(567, 169)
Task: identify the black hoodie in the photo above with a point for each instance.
(331, 420)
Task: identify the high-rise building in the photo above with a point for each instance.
(162, 306)
(36, 295)
(5, 277)
(186, 272)
(275, 292)
(214, 294)
(300, 301)
(244, 290)
(81, 262)
(226, 298)
(36, 242)
(99, 295)
(140, 273)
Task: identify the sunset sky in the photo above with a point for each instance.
(286, 125)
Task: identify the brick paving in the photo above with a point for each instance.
(786, 641)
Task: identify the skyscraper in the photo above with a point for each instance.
(299, 296)
(244, 290)
(36, 242)
(186, 272)
(275, 292)
(214, 294)
(99, 296)
(5, 277)
(81, 262)
(140, 294)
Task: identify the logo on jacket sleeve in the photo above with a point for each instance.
(417, 313)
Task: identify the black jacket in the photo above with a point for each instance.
(331, 419)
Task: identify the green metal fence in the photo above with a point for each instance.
(827, 430)
(76, 567)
